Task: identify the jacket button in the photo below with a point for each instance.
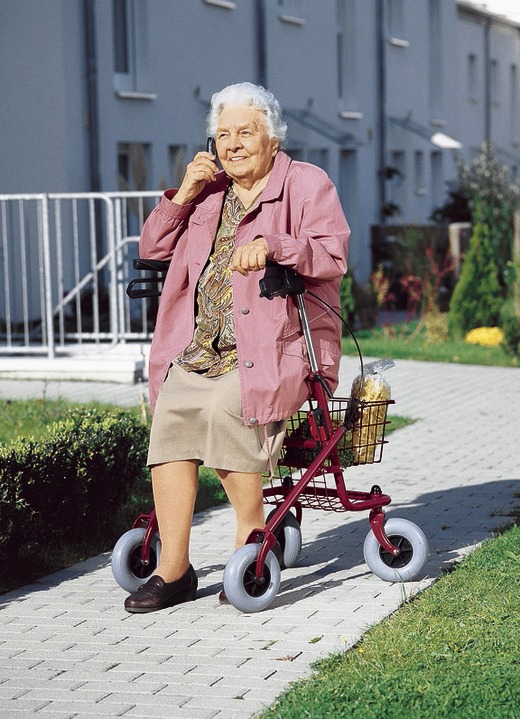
(249, 364)
(253, 420)
(245, 310)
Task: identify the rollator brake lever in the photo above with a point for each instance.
(280, 281)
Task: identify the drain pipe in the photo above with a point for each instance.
(261, 41)
(91, 95)
(89, 17)
(487, 80)
(381, 105)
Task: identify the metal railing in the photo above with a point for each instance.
(65, 260)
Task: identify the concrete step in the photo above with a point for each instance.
(124, 364)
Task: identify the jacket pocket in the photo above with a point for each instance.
(294, 347)
(328, 353)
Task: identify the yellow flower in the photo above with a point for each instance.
(485, 336)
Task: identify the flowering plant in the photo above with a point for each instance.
(485, 336)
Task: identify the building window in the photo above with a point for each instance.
(395, 18)
(133, 166)
(437, 179)
(348, 182)
(419, 173)
(319, 157)
(124, 45)
(494, 79)
(513, 104)
(396, 193)
(346, 54)
(349, 195)
(472, 78)
(295, 153)
(435, 51)
(177, 163)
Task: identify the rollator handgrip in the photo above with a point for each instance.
(154, 265)
(144, 287)
(280, 281)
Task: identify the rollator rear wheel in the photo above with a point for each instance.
(289, 536)
(127, 566)
(414, 551)
(240, 584)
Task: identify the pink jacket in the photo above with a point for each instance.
(301, 218)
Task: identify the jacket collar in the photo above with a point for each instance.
(276, 180)
(271, 191)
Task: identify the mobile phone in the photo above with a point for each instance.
(210, 146)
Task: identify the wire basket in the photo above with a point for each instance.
(362, 443)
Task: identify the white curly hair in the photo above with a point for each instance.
(246, 93)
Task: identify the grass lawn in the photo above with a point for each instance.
(451, 653)
(398, 342)
(34, 417)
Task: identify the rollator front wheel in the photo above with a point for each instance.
(289, 536)
(240, 584)
(410, 539)
(127, 566)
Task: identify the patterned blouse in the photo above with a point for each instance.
(213, 351)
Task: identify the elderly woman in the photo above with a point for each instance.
(226, 366)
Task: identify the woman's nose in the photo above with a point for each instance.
(235, 142)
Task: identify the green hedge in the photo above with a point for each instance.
(71, 487)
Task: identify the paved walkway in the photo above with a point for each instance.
(68, 649)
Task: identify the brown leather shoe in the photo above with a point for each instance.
(222, 598)
(158, 594)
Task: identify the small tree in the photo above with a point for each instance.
(486, 184)
(477, 297)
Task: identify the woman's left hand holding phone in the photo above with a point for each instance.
(201, 170)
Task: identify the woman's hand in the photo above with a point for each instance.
(251, 257)
(201, 170)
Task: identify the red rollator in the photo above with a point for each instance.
(322, 440)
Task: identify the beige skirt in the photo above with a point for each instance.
(200, 418)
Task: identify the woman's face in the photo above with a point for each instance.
(243, 145)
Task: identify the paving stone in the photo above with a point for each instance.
(68, 648)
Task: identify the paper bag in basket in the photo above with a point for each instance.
(369, 388)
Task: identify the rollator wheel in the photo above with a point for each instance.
(240, 585)
(289, 536)
(127, 566)
(414, 551)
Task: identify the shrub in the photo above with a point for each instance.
(346, 296)
(510, 324)
(476, 299)
(366, 302)
(70, 486)
(436, 327)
